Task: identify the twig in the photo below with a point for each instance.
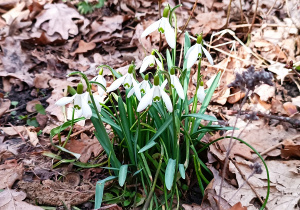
(246, 180)
(253, 20)
(181, 52)
(188, 20)
(159, 15)
(22, 137)
(267, 151)
(78, 132)
(228, 14)
(280, 118)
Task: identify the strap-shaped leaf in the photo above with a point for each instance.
(170, 172)
(201, 116)
(122, 174)
(100, 189)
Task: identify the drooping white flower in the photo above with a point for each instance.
(144, 85)
(176, 84)
(127, 81)
(196, 51)
(80, 102)
(163, 26)
(99, 78)
(201, 93)
(154, 95)
(150, 60)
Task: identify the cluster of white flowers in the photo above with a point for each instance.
(81, 100)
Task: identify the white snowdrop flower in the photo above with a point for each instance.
(201, 93)
(80, 102)
(127, 81)
(144, 85)
(196, 51)
(154, 95)
(164, 27)
(176, 84)
(150, 60)
(99, 78)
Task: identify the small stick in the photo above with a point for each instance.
(181, 52)
(188, 20)
(78, 132)
(246, 180)
(22, 137)
(159, 15)
(253, 20)
(228, 14)
(268, 150)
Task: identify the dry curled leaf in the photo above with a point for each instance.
(4, 106)
(10, 172)
(83, 47)
(58, 18)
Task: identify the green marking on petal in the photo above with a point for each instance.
(151, 64)
(156, 99)
(77, 107)
(143, 91)
(126, 85)
(161, 30)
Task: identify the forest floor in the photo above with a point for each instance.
(39, 48)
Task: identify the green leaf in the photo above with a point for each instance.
(32, 122)
(161, 129)
(67, 151)
(99, 191)
(170, 172)
(59, 129)
(207, 99)
(169, 60)
(14, 103)
(181, 170)
(126, 203)
(52, 155)
(122, 174)
(201, 116)
(40, 109)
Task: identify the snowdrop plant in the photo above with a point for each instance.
(163, 26)
(155, 134)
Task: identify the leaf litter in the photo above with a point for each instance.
(39, 50)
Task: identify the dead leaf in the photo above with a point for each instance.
(191, 207)
(57, 193)
(4, 106)
(238, 206)
(235, 96)
(12, 131)
(111, 207)
(10, 172)
(265, 92)
(280, 70)
(41, 80)
(290, 149)
(58, 18)
(33, 139)
(85, 147)
(30, 107)
(296, 101)
(290, 108)
(14, 59)
(11, 199)
(83, 47)
(206, 22)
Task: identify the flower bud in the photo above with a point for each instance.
(146, 77)
(101, 71)
(199, 39)
(80, 88)
(166, 11)
(131, 68)
(156, 80)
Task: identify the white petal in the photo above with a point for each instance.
(178, 87)
(145, 101)
(201, 94)
(167, 100)
(65, 100)
(192, 58)
(86, 110)
(128, 81)
(95, 78)
(116, 84)
(98, 100)
(154, 26)
(130, 93)
(170, 34)
(189, 51)
(159, 64)
(208, 56)
(136, 89)
(145, 64)
(163, 85)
